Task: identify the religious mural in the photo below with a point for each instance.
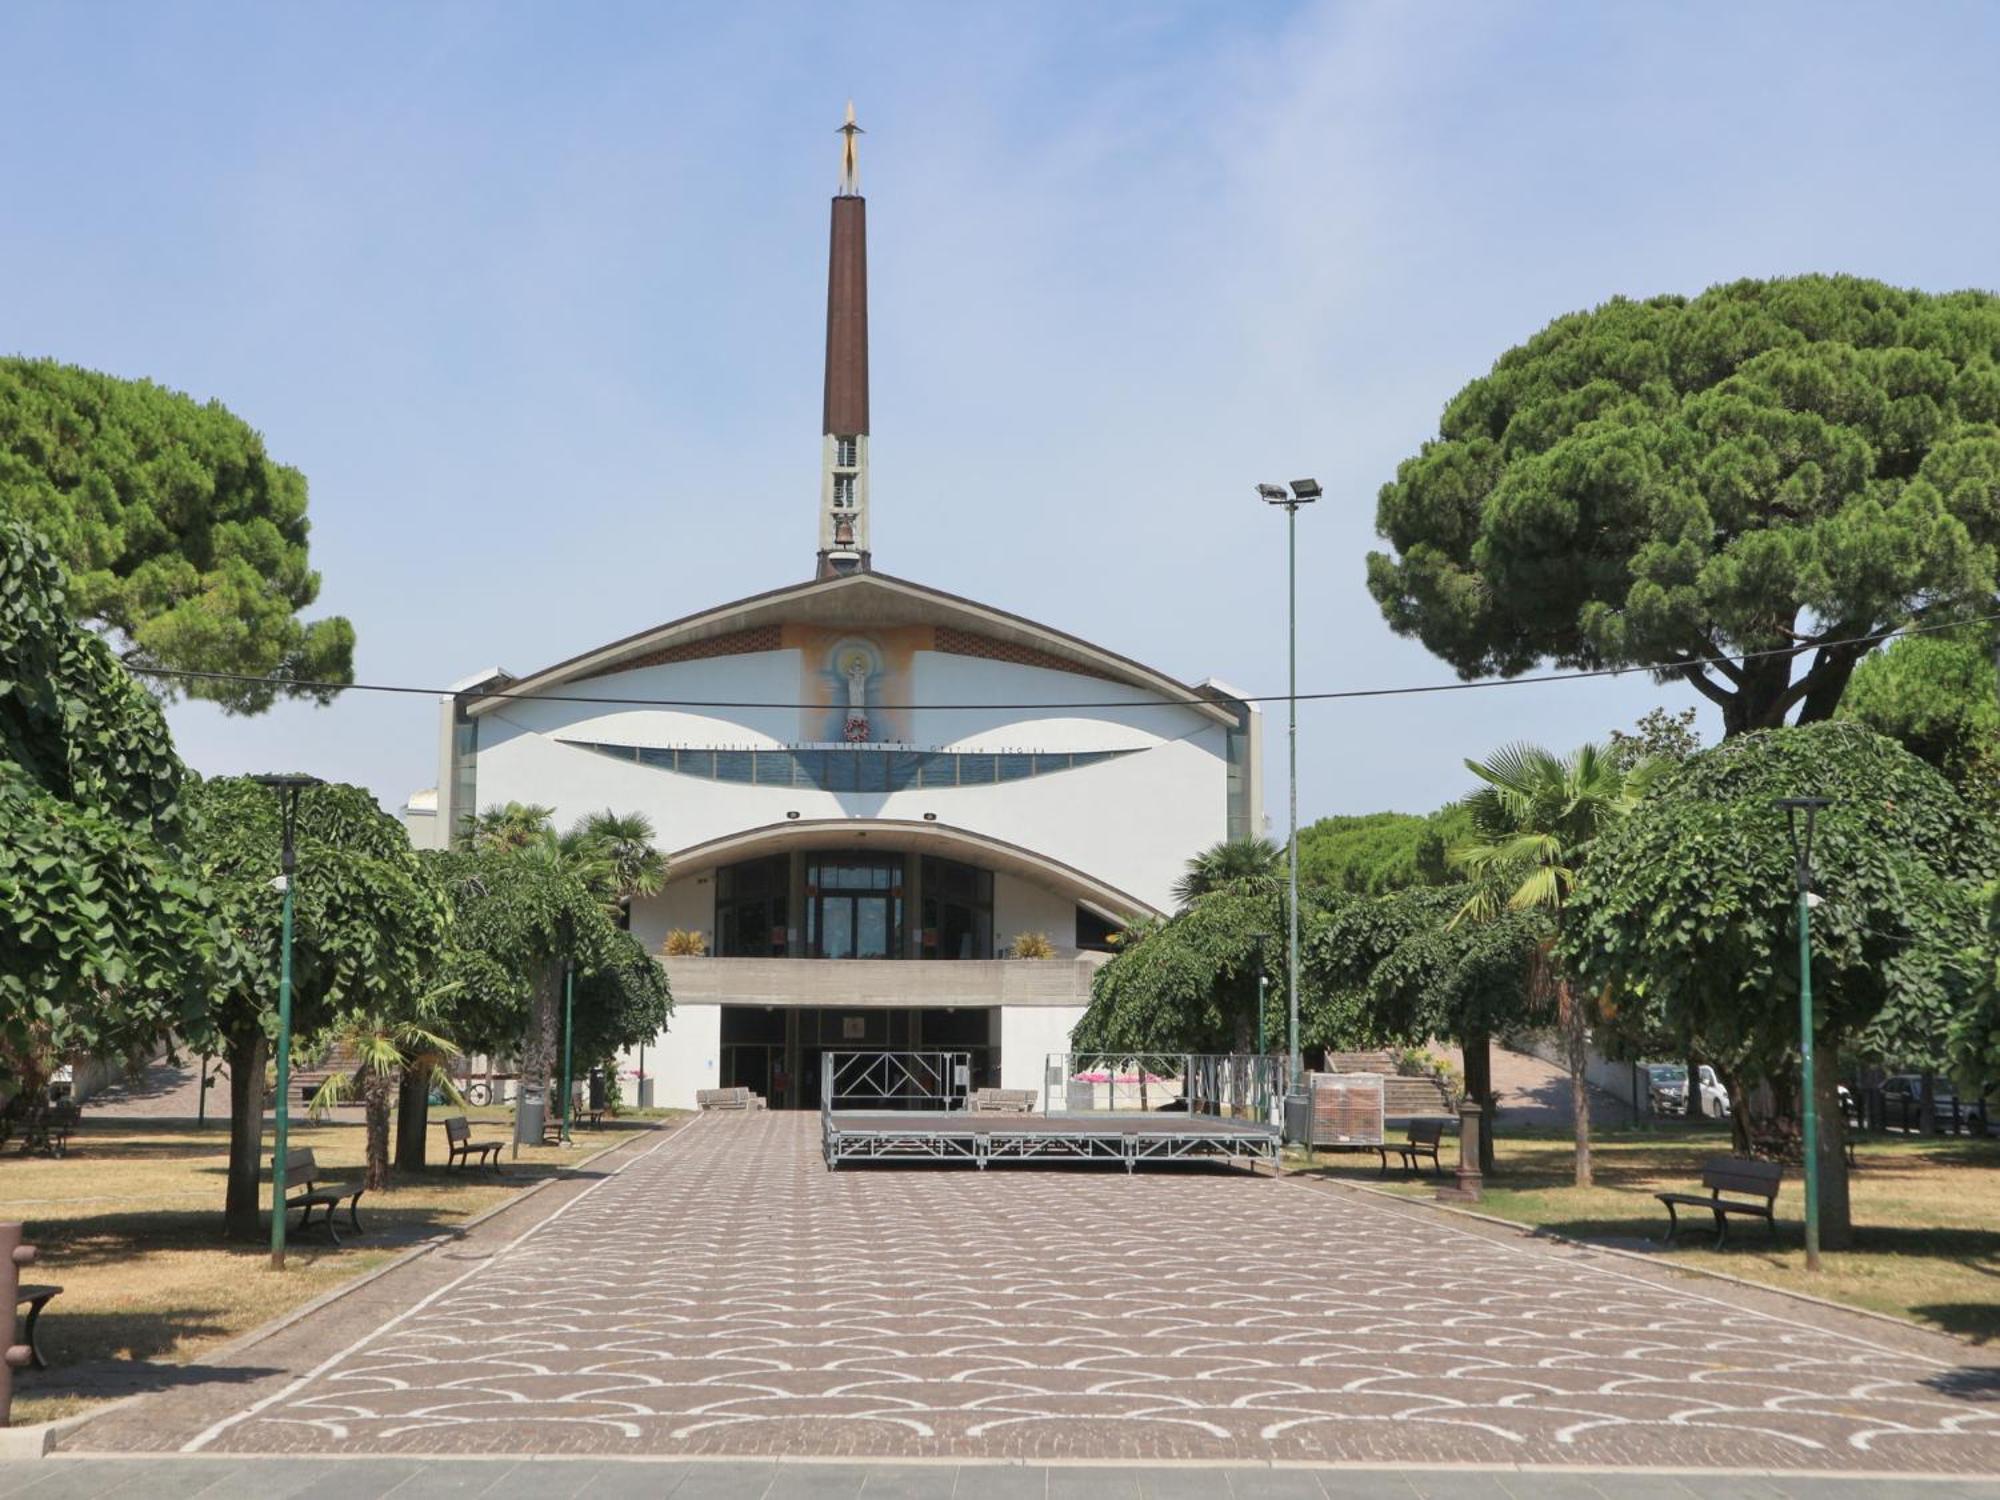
(856, 686)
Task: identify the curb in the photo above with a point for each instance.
(37, 1439)
(1530, 1231)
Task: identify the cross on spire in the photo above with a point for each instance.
(850, 163)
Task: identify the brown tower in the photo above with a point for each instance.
(843, 502)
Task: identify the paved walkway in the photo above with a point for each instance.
(179, 1478)
(724, 1294)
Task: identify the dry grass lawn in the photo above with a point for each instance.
(129, 1225)
(1926, 1214)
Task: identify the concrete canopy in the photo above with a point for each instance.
(901, 836)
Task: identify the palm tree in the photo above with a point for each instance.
(512, 826)
(384, 1046)
(624, 861)
(1532, 825)
(1228, 863)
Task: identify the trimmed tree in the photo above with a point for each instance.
(1769, 467)
(184, 540)
(367, 931)
(104, 938)
(1189, 984)
(1686, 907)
(1401, 968)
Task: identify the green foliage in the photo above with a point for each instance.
(1771, 465)
(1659, 735)
(1254, 860)
(1399, 969)
(1975, 1035)
(103, 937)
(1375, 853)
(1686, 908)
(1534, 820)
(368, 925)
(1190, 983)
(1937, 695)
(517, 909)
(180, 534)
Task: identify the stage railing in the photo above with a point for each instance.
(1238, 1086)
(938, 1081)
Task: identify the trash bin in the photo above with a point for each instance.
(530, 1115)
(645, 1093)
(597, 1088)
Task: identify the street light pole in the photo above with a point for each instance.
(289, 789)
(569, 1030)
(1802, 879)
(1263, 991)
(1303, 492)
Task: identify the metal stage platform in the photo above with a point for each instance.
(915, 1107)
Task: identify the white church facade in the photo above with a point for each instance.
(919, 787)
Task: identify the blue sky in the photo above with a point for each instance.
(533, 295)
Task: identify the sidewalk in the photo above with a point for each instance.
(157, 1478)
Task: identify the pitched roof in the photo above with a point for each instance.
(860, 601)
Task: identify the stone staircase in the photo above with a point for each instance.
(1402, 1098)
(306, 1081)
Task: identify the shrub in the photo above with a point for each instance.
(682, 943)
(1034, 945)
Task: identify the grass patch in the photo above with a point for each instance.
(129, 1224)
(1926, 1216)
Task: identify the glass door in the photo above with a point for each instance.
(854, 906)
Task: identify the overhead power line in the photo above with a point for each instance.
(287, 684)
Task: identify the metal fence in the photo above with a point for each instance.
(869, 1081)
(1237, 1086)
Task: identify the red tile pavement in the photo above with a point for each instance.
(731, 1295)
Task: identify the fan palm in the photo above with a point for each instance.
(384, 1047)
(1533, 823)
(626, 862)
(1228, 863)
(511, 826)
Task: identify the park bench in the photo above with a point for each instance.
(1749, 1180)
(1421, 1140)
(461, 1148)
(1003, 1101)
(302, 1169)
(44, 1123)
(734, 1098)
(35, 1298)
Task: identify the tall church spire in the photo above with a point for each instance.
(843, 503)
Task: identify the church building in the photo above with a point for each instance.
(878, 798)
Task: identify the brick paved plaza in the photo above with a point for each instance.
(725, 1294)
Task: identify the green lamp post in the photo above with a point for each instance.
(289, 790)
(569, 1017)
(1802, 879)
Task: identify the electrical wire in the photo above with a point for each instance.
(293, 685)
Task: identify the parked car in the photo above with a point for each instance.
(1903, 1094)
(1668, 1088)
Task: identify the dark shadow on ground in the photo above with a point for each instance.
(1970, 1382)
(74, 1345)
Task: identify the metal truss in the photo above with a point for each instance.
(956, 1141)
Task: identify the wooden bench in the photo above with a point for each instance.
(300, 1167)
(1422, 1139)
(461, 1148)
(1748, 1179)
(1003, 1101)
(733, 1098)
(36, 1298)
